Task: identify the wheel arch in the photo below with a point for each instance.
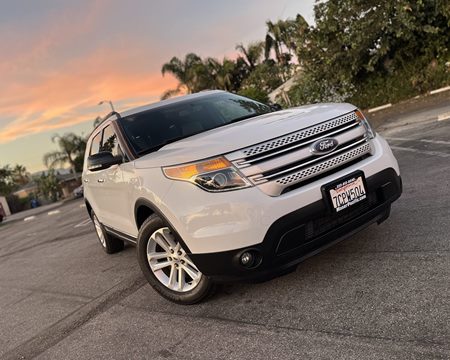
(144, 208)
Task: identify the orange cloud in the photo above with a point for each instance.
(65, 100)
(67, 96)
(42, 92)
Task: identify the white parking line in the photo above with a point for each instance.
(82, 205)
(54, 212)
(444, 116)
(29, 218)
(434, 153)
(438, 142)
(83, 223)
(398, 139)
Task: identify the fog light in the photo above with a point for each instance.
(247, 259)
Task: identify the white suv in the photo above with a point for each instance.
(217, 187)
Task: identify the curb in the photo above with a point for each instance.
(33, 216)
(378, 108)
(432, 92)
(440, 90)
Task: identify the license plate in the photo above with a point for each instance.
(347, 192)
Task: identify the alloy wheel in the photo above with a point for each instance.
(99, 231)
(169, 262)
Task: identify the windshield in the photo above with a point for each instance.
(150, 130)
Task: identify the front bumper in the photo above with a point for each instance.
(221, 222)
(304, 232)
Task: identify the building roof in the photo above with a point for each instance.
(29, 186)
(285, 87)
(68, 177)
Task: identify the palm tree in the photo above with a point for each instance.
(273, 39)
(184, 71)
(220, 74)
(171, 92)
(252, 53)
(284, 32)
(71, 146)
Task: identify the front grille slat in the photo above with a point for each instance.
(295, 146)
(284, 163)
(326, 165)
(299, 135)
(274, 174)
(277, 186)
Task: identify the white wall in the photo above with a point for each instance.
(5, 205)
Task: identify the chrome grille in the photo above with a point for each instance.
(324, 166)
(278, 164)
(299, 135)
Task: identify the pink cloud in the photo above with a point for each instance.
(41, 92)
(68, 96)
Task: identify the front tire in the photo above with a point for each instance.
(110, 244)
(167, 267)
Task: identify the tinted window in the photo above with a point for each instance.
(109, 142)
(95, 145)
(148, 131)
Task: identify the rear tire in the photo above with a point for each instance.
(167, 267)
(110, 244)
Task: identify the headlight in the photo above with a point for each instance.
(211, 175)
(370, 132)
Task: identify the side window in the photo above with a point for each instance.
(95, 144)
(110, 142)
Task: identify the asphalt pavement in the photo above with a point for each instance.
(381, 294)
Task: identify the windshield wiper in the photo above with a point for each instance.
(159, 146)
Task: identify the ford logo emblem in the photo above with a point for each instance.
(324, 146)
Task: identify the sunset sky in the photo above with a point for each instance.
(60, 58)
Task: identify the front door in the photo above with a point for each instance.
(110, 189)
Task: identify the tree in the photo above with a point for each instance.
(273, 40)
(20, 175)
(282, 38)
(186, 72)
(48, 185)
(7, 184)
(170, 93)
(11, 178)
(255, 94)
(358, 49)
(220, 74)
(266, 77)
(72, 147)
(247, 71)
(196, 74)
(251, 54)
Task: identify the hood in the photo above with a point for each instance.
(242, 134)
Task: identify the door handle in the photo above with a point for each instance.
(101, 180)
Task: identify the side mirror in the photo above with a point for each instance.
(276, 107)
(102, 160)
